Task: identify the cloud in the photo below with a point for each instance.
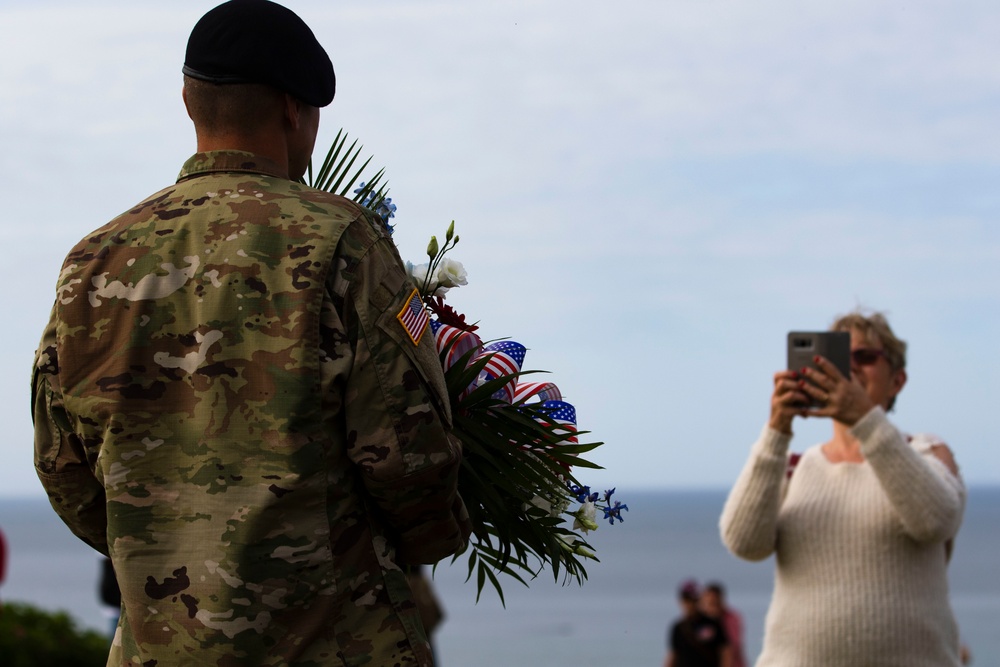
(887, 80)
(649, 193)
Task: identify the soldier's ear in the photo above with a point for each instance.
(293, 111)
(184, 97)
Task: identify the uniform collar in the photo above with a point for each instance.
(230, 161)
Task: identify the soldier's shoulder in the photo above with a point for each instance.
(322, 199)
(106, 232)
(365, 225)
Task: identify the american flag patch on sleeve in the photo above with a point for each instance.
(414, 317)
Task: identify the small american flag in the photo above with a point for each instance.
(505, 358)
(414, 317)
(564, 414)
(541, 391)
(464, 341)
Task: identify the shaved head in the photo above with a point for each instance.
(233, 108)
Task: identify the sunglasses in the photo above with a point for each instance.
(866, 356)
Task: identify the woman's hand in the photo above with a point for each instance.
(843, 399)
(787, 401)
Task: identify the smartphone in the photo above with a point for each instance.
(833, 345)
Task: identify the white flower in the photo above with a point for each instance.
(586, 517)
(450, 273)
(541, 503)
(552, 505)
(576, 547)
(418, 272)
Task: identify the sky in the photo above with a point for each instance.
(649, 194)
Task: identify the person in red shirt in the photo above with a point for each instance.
(713, 605)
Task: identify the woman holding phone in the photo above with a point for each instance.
(861, 525)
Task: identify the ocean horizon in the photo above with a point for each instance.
(618, 618)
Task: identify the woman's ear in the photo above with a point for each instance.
(898, 381)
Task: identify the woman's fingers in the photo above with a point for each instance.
(787, 401)
(842, 399)
(818, 393)
(828, 368)
(818, 378)
(782, 376)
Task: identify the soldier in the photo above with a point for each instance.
(235, 398)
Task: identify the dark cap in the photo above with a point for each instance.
(257, 41)
(689, 590)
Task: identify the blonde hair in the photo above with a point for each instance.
(876, 330)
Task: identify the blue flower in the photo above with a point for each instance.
(368, 197)
(608, 494)
(385, 209)
(582, 493)
(612, 513)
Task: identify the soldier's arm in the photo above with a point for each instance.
(397, 413)
(60, 461)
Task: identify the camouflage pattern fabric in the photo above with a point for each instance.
(227, 405)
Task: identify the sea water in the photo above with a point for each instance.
(618, 618)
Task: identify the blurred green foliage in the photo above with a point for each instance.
(31, 637)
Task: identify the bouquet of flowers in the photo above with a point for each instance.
(520, 441)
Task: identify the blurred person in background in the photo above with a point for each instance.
(109, 594)
(861, 525)
(713, 604)
(428, 605)
(695, 639)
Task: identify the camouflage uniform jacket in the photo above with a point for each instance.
(229, 402)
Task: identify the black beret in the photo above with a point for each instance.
(257, 41)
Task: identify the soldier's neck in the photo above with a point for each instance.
(274, 148)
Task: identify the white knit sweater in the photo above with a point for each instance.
(861, 565)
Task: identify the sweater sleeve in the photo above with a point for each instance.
(926, 496)
(749, 522)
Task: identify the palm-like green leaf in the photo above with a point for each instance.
(513, 455)
(335, 174)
